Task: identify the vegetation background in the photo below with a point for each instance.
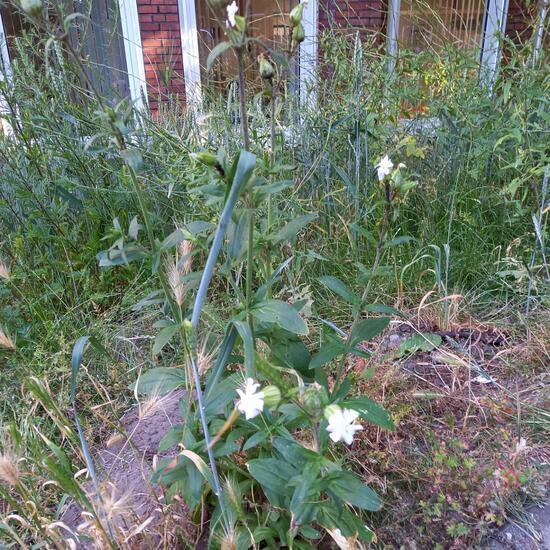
(460, 249)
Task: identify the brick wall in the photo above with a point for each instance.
(162, 54)
(364, 15)
(521, 18)
(160, 35)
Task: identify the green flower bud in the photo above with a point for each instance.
(205, 157)
(296, 15)
(272, 396)
(298, 34)
(266, 68)
(218, 4)
(314, 399)
(331, 409)
(32, 7)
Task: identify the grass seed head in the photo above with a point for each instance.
(185, 250)
(5, 341)
(4, 271)
(175, 282)
(9, 473)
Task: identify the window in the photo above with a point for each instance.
(267, 24)
(429, 24)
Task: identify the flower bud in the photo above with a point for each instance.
(205, 157)
(218, 4)
(296, 15)
(32, 7)
(314, 399)
(331, 409)
(266, 68)
(272, 396)
(298, 34)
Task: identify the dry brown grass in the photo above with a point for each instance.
(462, 449)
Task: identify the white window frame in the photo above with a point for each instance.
(4, 52)
(190, 52)
(539, 33)
(496, 16)
(394, 12)
(191, 58)
(308, 53)
(133, 50)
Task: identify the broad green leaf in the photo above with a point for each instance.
(291, 229)
(172, 240)
(114, 257)
(420, 342)
(159, 381)
(221, 394)
(164, 337)
(328, 351)
(368, 329)
(201, 466)
(262, 533)
(238, 237)
(352, 490)
(280, 314)
(272, 473)
(248, 342)
(338, 287)
(303, 505)
(256, 439)
(261, 192)
(331, 516)
(218, 50)
(370, 411)
(294, 453)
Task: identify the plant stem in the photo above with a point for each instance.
(383, 230)
(250, 201)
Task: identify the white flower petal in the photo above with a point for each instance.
(342, 427)
(250, 402)
(232, 10)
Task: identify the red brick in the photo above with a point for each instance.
(149, 27)
(163, 8)
(147, 9)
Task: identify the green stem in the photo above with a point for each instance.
(383, 230)
(250, 201)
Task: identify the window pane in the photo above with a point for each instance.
(429, 24)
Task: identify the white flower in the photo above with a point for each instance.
(232, 9)
(342, 427)
(250, 402)
(384, 167)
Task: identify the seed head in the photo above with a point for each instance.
(9, 473)
(4, 272)
(5, 341)
(185, 260)
(174, 279)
